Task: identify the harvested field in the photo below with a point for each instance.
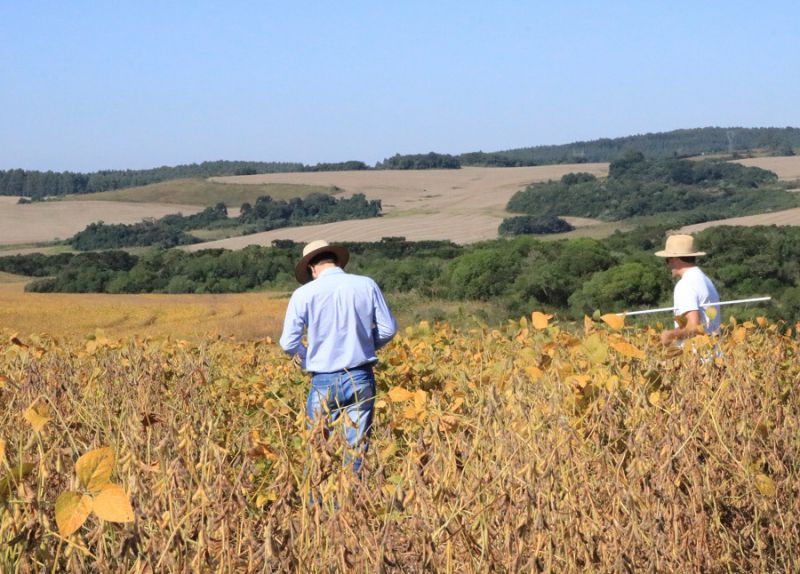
(463, 205)
(785, 217)
(787, 168)
(47, 221)
(71, 315)
(203, 193)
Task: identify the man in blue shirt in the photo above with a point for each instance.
(347, 321)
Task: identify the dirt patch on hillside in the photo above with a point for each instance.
(463, 205)
(46, 221)
(787, 168)
(784, 217)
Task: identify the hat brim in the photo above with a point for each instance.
(665, 253)
(301, 270)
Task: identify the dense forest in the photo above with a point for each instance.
(41, 184)
(676, 143)
(691, 191)
(264, 215)
(533, 225)
(571, 277)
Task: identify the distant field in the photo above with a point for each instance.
(201, 192)
(6, 278)
(463, 205)
(785, 217)
(787, 168)
(46, 221)
(244, 316)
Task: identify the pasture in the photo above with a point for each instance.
(463, 205)
(204, 193)
(50, 220)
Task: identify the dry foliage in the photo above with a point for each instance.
(521, 449)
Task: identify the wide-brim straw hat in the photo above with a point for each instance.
(301, 271)
(680, 246)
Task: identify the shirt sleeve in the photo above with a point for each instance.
(685, 299)
(385, 324)
(293, 326)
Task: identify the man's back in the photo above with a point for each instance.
(693, 290)
(347, 320)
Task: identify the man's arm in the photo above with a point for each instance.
(690, 329)
(385, 323)
(293, 326)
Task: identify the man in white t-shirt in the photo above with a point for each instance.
(693, 290)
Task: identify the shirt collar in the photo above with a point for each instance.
(331, 271)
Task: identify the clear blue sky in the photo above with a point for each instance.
(107, 85)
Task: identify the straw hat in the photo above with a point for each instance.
(680, 246)
(301, 271)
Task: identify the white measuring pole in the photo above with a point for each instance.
(672, 309)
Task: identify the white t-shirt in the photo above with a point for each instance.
(695, 289)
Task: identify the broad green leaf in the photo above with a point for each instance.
(16, 473)
(72, 510)
(94, 468)
(595, 348)
(112, 504)
(613, 320)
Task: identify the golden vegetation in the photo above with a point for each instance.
(66, 315)
(530, 447)
(203, 193)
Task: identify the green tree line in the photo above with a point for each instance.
(266, 214)
(677, 143)
(695, 190)
(571, 276)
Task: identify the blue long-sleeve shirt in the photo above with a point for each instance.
(347, 320)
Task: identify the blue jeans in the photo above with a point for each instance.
(352, 392)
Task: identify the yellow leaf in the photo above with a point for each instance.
(654, 398)
(37, 415)
(262, 499)
(613, 320)
(72, 510)
(534, 373)
(2, 452)
(540, 320)
(94, 468)
(711, 312)
(112, 504)
(765, 485)
(627, 349)
(16, 473)
(399, 394)
(762, 321)
(739, 334)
